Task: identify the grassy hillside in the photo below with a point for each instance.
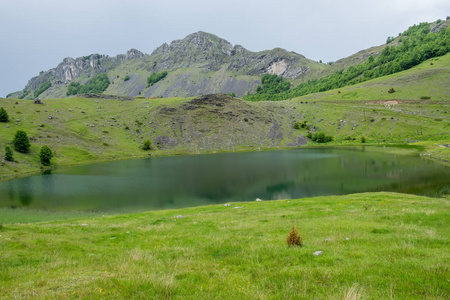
(431, 79)
(86, 130)
(375, 246)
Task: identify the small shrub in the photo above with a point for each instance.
(21, 142)
(363, 140)
(391, 91)
(425, 98)
(126, 127)
(298, 125)
(3, 115)
(45, 155)
(105, 144)
(147, 145)
(309, 135)
(127, 77)
(372, 120)
(9, 156)
(294, 239)
(105, 131)
(42, 125)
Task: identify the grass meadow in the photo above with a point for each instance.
(375, 246)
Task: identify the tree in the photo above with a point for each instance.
(9, 156)
(147, 145)
(45, 155)
(294, 239)
(21, 142)
(3, 115)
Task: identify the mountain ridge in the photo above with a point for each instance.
(201, 63)
(207, 59)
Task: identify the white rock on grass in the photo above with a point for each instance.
(318, 253)
(347, 239)
(258, 200)
(227, 204)
(180, 216)
(237, 207)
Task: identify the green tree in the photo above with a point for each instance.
(45, 155)
(147, 145)
(21, 142)
(9, 156)
(3, 115)
(127, 77)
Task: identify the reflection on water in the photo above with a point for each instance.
(207, 179)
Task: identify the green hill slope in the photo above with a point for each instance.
(86, 130)
(429, 80)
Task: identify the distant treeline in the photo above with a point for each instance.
(98, 84)
(416, 45)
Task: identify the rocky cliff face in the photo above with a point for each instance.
(198, 64)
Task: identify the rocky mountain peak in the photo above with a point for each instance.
(133, 53)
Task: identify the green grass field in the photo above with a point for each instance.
(375, 246)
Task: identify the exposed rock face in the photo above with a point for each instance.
(208, 64)
(219, 121)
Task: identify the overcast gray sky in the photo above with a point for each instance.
(38, 35)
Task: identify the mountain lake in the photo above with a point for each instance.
(193, 180)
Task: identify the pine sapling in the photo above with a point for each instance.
(294, 239)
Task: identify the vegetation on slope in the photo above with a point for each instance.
(374, 246)
(418, 44)
(155, 77)
(98, 84)
(45, 86)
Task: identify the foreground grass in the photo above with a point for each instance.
(375, 246)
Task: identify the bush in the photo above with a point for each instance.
(3, 115)
(298, 124)
(391, 91)
(21, 142)
(294, 239)
(320, 137)
(147, 145)
(363, 140)
(9, 156)
(127, 77)
(45, 155)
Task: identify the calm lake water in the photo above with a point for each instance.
(182, 181)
